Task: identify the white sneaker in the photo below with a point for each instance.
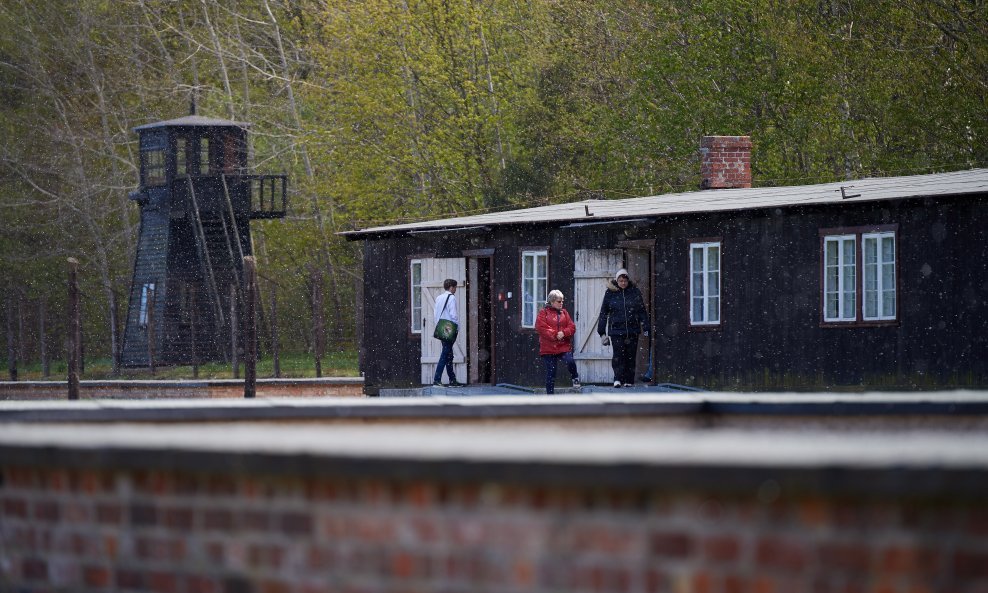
(617, 384)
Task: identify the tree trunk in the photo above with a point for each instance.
(114, 333)
(214, 37)
(43, 338)
(325, 255)
(250, 328)
(11, 340)
(194, 322)
(275, 350)
(317, 320)
(74, 330)
(21, 341)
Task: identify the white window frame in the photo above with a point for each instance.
(142, 316)
(709, 283)
(880, 284)
(857, 279)
(842, 292)
(532, 297)
(415, 292)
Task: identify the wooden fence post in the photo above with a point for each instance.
(11, 346)
(234, 330)
(317, 320)
(43, 338)
(151, 332)
(74, 329)
(194, 322)
(114, 337)
(22, 353)
(250, 327)
(274, 332)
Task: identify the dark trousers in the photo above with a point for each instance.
(623, 361)
(445, 361)
(550, 361)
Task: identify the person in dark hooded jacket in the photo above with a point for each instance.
(623, 317)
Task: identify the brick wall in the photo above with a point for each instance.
(117, 529)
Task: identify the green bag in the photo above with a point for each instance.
(446, 330)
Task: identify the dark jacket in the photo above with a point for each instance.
(623, 311)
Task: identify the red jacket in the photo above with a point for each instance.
(549, 323)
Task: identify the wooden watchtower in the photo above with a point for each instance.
(197, 197)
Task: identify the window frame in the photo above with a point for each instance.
(229, 162)
(205, 166)
(536, 304)
(155, 167)
(705, 243)
(154, 147)
(859, 234)
(181, 156)
(880, 317)
(412, 262)
(142, 310)
(841, 289)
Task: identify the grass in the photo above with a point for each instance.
(296, 365)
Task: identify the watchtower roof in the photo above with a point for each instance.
(192, 121)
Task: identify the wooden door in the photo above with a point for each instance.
(480, 316)
(592, 269)
(639, 265)
(434, 272)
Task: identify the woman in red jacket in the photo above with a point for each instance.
(556, 329)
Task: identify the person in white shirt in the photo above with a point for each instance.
(446, 309)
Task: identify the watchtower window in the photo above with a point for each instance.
(147, 297)
(181, 157)
(154, 167)
(204, 156)
(229, 153)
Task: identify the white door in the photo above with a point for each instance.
(434, 272)
(591, 271)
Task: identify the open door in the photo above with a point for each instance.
(638, 262)
(480, 318)
(591, 271)
(434, 272)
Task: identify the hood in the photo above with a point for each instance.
(613, 286)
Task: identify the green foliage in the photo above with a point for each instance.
(384, 111)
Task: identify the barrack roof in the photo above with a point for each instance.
(192, 121)
(972, 181)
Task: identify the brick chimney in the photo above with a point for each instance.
(725, 162)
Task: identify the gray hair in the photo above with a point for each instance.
(554, 295)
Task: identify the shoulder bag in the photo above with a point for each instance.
(446, 330)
